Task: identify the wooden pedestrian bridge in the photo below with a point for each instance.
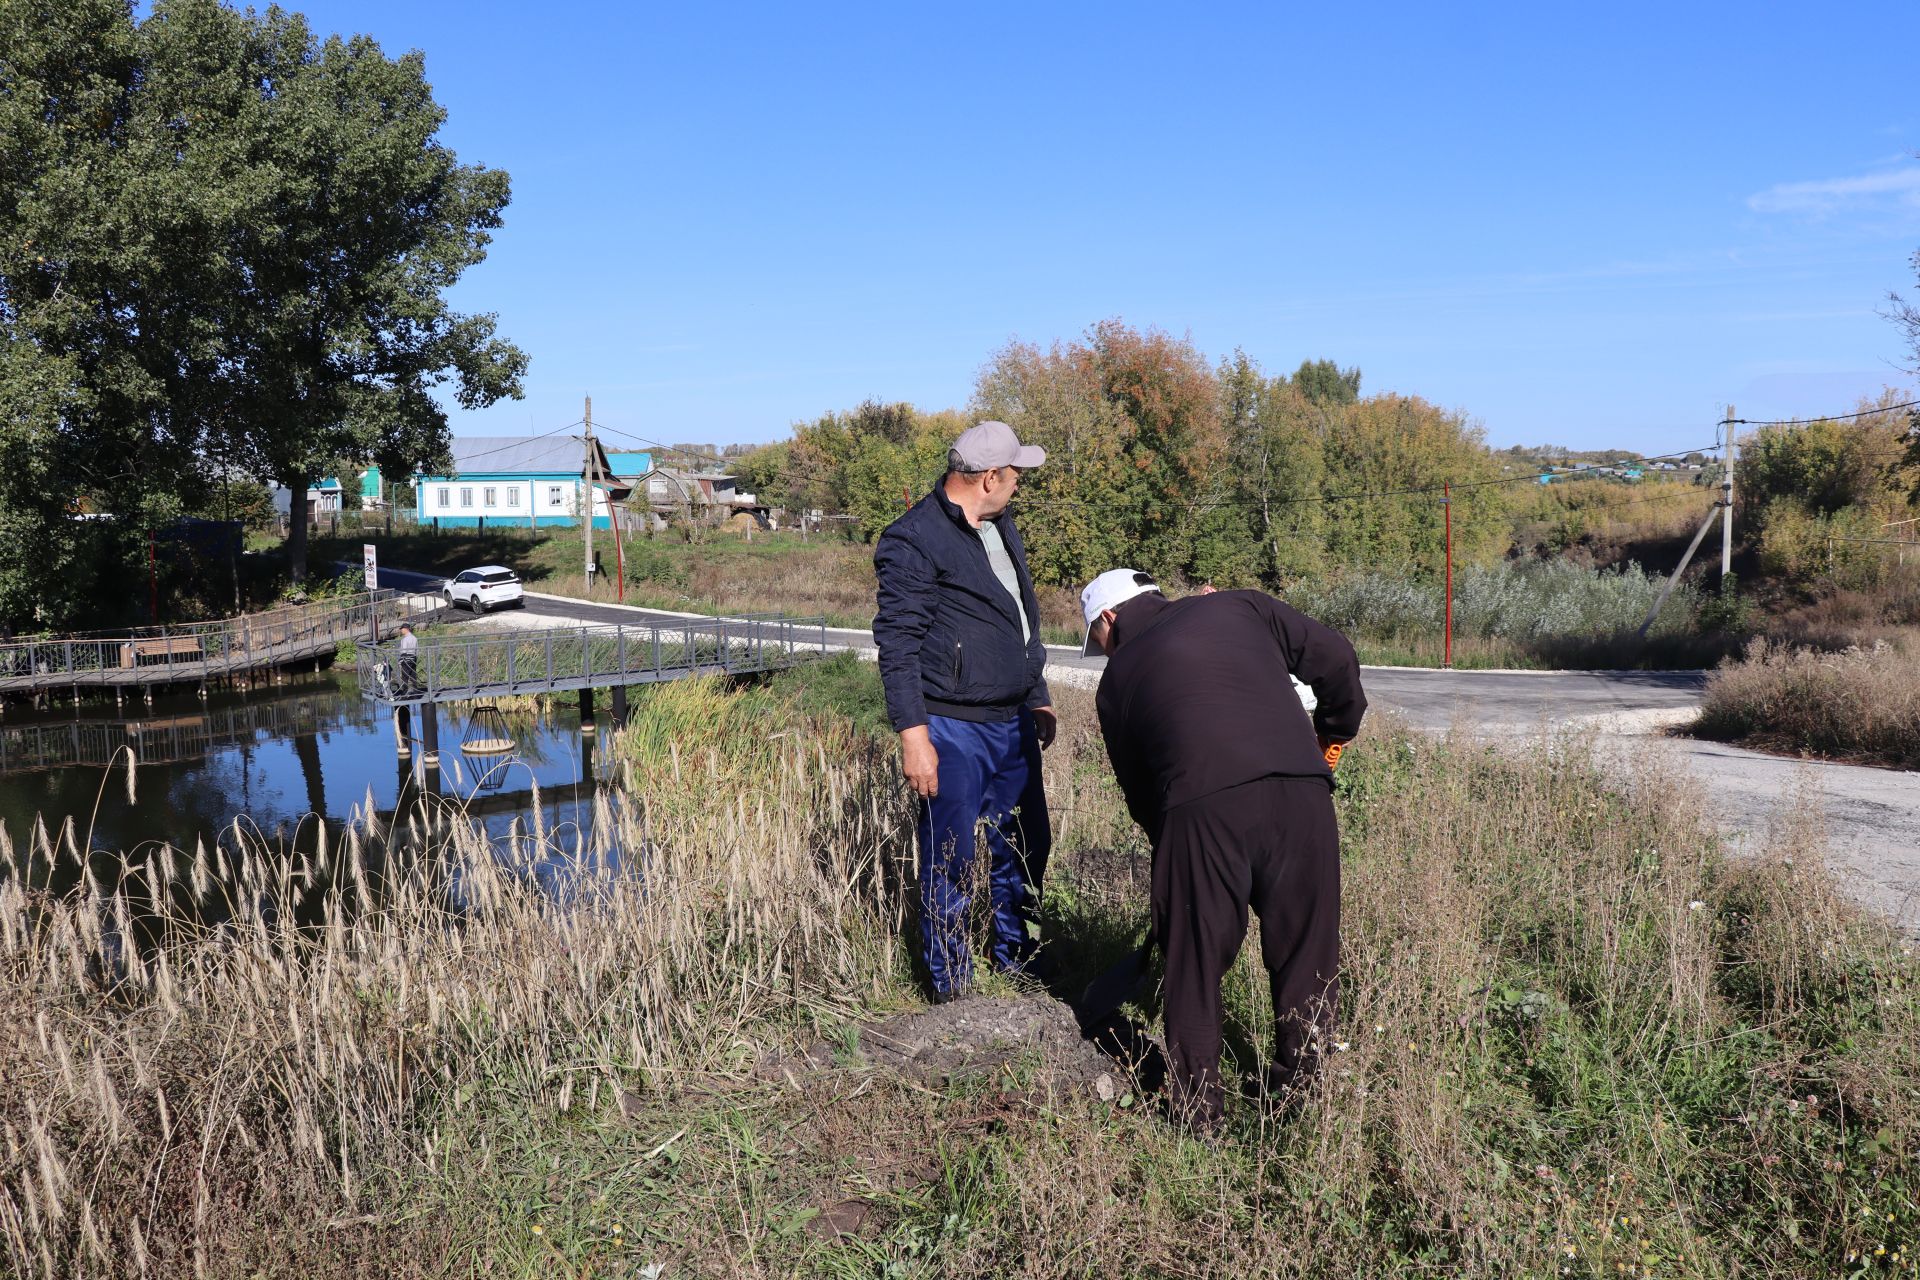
(463, 665)
(142, 659)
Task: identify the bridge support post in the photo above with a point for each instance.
(403, 731)
(430, 734)
(586, 711)
(619, 706)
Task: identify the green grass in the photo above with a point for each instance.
(817, 577)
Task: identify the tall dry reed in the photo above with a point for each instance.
(190, 1107)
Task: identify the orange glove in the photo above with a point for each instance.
(1331, 750)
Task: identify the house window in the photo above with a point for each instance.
(513, 495)
(446, 496)
(466, 497)
(487, 498)
(553, 495)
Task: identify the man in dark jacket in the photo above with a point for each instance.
(1230, 777)
(960, 656)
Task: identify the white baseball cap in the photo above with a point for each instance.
(1109, 591)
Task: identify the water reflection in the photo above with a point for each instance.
(166, 801)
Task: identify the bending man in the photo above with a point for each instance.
(1229, 777)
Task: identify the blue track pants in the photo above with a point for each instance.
(988, 772)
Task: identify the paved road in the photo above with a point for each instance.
(1871, 817)
(1521, 700)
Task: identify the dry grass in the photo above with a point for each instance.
(1607, 523)
(1841, 618)
(1575, 1042)
(1857, 704)
(196, 1107)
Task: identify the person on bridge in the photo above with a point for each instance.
(1231, 778)
(957, 628)
(409, 660)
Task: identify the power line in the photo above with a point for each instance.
(669, 448)
(1824, 417)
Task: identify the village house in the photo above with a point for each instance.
(518, 480)
(324, 496)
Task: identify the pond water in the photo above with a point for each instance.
(274, 759)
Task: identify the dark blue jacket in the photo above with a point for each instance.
(948, 635)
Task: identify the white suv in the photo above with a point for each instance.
(491, 586)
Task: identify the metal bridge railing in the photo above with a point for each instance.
(157, 655)
(580, 657)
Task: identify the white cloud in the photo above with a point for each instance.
(1867, 191)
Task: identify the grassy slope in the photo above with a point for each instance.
(1555, 1063)
(1576, 1041)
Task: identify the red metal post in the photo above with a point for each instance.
(1446, 501)
(619, 553)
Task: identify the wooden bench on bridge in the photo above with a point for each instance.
(139, 653)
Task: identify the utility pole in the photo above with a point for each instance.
(586, 473)
(1725, 508)
(1446, 503)
(1726, 496)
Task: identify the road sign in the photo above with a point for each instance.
(373, 565)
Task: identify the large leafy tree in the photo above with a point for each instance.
(1275, 435)
(224, 246)
(95, 364)
(1132, 425)
(1386, 459)
(1325, 383)
(345, 322)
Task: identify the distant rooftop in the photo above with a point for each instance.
(475, 454)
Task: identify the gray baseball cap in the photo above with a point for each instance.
(986, 445)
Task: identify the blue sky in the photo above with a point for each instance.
(1595, 226)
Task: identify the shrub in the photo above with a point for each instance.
(1539, 608)
(1858, 703)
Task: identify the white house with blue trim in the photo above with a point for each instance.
(517, 480)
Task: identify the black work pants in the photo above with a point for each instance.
(1273, 845)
